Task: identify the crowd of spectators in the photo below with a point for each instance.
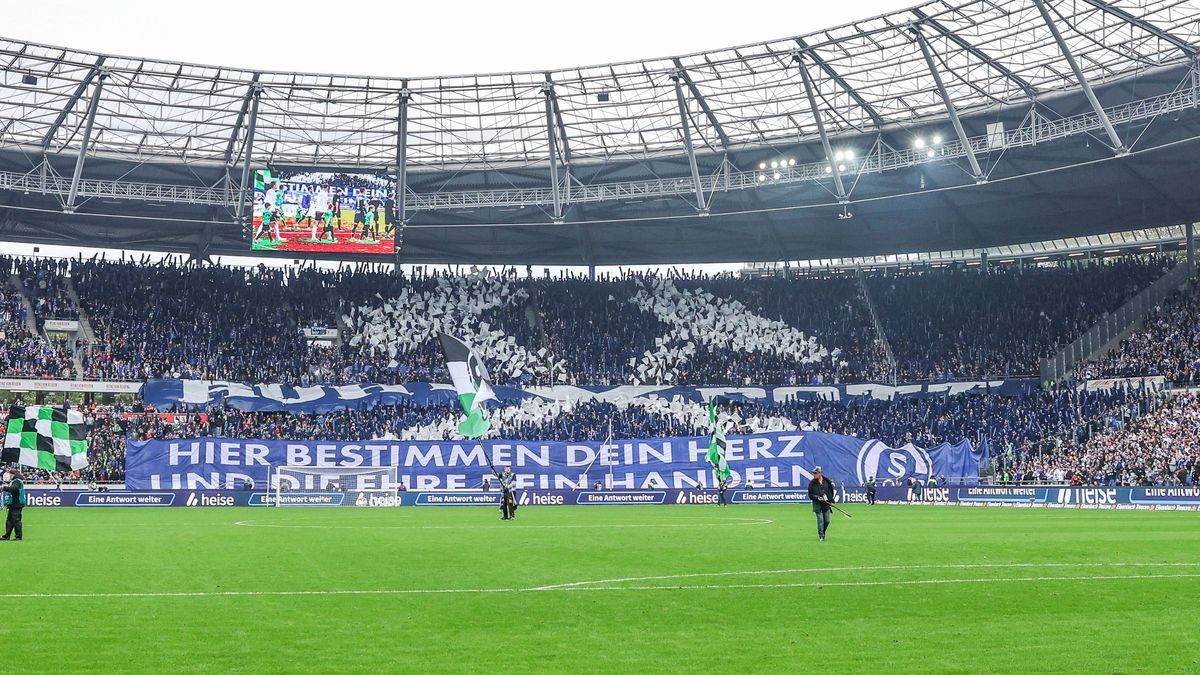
(1168, 344)
(592, 321)
(45, 283)
(245, 324)
(1156, 442)
(239, 324)
(1024, 431)
(961, 323)
(22, 353)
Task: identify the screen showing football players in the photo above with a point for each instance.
(323, 212)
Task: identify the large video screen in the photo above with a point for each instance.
(323, 212)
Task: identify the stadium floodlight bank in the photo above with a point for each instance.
(282, 480)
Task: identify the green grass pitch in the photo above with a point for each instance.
(602, 589)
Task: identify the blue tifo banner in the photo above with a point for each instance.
(1153, 498)
(281, 397)
(778, 459)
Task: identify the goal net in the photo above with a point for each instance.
(375, 479)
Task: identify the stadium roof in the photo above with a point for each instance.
(866, 74)
(657, 144)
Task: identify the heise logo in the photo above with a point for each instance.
(531, 498)
(378, 500)
(941, 495)
(35, 499)
(205, 499)
(697, 497)
(1087, 496)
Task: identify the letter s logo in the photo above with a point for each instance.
(876, 459)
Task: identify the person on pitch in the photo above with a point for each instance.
(508, 494)
(871, 490)
(14, 499)
(722, 486)
(820, 491)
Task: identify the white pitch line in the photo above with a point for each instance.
(909, 582)
(857, 568)
(569, 588)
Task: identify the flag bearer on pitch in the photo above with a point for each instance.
(14, 499)
(508, 494)
(820, 491)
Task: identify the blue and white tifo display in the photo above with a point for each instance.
(764, 460)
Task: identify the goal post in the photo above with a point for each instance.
(295, 478)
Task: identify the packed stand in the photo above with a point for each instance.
(240, 324)
(1022, 430)
(961, 323)
(45, 283)
(1156, 443)
(1167, 345)
(23, 354)
(608, 342)
(245, 325)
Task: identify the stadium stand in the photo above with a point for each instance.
(1020, 429)
(45, 282)
(1167, 345)
(959, 323)
(245, 324)
(22, 352)
(1157, 447)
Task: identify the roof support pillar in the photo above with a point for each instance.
(401, 212)
(978, 53)
(548, 91)
(93, 106)
(248, 154)
(816, 113)
(402, 158)
(78, 94)
(712, 118)
(677, 77)
(832, 74)
(1194, 64)
(1190, 235)
(976, 172)
(241, 118)
(1118, 146)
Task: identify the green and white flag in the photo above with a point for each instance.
(45, 438)
(471, 382)
(716, 443)
(262, 178)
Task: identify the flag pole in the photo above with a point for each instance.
(597, 455)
